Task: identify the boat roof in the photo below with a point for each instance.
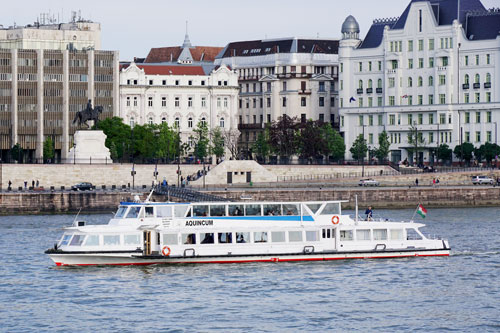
(125, 203)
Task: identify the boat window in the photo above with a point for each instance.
(180, 211)
(132, 239)
(77, 240)
(312, 236)
(313, 207)
(120, 212)
(149, 211)
(278, 236)
(379, 234)
(200, 210)
(274, 209)
(331, 208)
(396, 234)
(170, 239)
(207, 238)
(363, 234)
(92, 240)
(111, 239)
(242, 237)
(291, 209)
(328, 233)
(295, 236)
(260, 237)
(133, 212)
(412, 234)
(165, 211)
(235, 210)
(252, 210)
(217, 210)
(346, 235)
(65, 240)
(188, 238)
(225, 237)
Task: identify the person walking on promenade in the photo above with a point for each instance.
(10, 184)
(37, 183)
(25, 185)
(416, 182)
(33, 183)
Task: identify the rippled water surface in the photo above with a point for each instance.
(457, 293)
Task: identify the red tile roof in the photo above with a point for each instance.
(199, 53)
(172, 70)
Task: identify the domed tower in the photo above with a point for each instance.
(350, 28)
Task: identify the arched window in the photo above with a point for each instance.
(431, 80)
(379, 83)
(203, 122)
(177, 122)
(466, 79)
(132, 122)
(410, 82)
(190, 122)
(420, 81)
(360, 84)
(221, 123)
(477, 78)
(163, 120)
(488, 77)
(370, 83)
(150, 120)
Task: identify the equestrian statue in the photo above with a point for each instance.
(89, 113)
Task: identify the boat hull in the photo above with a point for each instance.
(73, 259)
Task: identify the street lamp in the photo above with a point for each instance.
(178, 156)
(458, 101)
(74, 153)
(496, 133)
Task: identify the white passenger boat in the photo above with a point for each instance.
(233, 232)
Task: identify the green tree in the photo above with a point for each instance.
(311, 142)
(201, 141)
(334, 143)
(118, 133)
(282, 136)
(488, 151)
(464, 151)
(17, 153)
(359, 148)
(417, 141)
(382, 152)
(113, 152)
(261, 146)
(444, 152)
(218, 146)
(167, 142)
(48, 149)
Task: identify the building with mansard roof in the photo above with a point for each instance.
(289, 76)
(435, 68)
(182, 90)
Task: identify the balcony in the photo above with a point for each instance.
(369, 90)
(379, 90)
(476, 85)
(487, 84)
(250, 126)
(359, 91)
(442, 68)
(391, 71)
(465, 86)
(304, 92)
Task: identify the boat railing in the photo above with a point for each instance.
(433, 237)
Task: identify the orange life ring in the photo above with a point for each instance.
(335, 219)
(167, 253)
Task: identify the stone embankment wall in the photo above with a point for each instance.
(61, 202)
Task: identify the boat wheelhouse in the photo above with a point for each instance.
(228, 232)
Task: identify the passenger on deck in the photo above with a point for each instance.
(369, 213)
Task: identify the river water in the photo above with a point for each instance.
(460, 293)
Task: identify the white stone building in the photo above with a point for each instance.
(426, 69)
(292, 76)
(48, 72)
(182, 91)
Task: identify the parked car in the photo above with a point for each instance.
(82, 186)
(478, 180)
(368, 182)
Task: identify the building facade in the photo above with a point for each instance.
(43, 87)
(426, 70)
(182, 89)
(291, 76)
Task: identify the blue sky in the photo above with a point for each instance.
(133, 27)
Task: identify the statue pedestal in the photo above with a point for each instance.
(89, 148)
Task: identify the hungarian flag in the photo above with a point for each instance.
(421, 211)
